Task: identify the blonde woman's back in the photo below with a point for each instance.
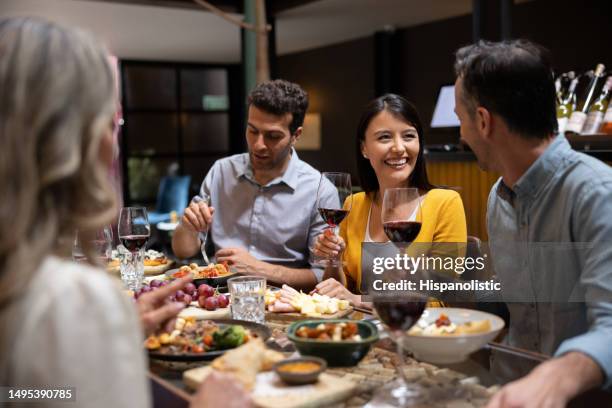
(75, 328)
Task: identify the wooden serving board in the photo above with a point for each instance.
(202, 314)
(148, 270)
(295, 316)
(271, 392)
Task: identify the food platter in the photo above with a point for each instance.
(214, 281)
(255, 329)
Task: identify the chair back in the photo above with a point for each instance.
(173, 194)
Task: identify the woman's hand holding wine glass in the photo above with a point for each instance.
(329, 245)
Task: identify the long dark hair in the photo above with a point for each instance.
(399, 107)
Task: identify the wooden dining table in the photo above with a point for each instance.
(169, 390)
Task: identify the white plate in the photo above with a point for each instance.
(452, 348)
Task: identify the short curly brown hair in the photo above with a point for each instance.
(279, 97)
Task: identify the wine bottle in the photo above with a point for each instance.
(567, 105)
(597, 110)
(606, 126)
(578, 117)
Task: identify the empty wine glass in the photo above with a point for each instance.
(401, 214)
(134, 232)
(334, 202)
(101, 241)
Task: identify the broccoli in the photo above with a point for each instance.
(230, 337)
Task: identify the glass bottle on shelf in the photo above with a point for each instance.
(579, 116)
(566, 105)
(562, 84)
(606, 126)
(597, 110)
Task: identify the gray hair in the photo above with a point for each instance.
(57, 99)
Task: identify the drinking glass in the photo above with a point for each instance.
(247, 298)
(335, 208)
(401, 218)
(401, 214)
(399, 315)
(102, 244)
(134, 232)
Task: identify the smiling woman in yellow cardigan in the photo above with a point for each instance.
(442, 220)
(389, 155)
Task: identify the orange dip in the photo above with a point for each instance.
(300, 367)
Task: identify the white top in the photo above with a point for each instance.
(76, 328)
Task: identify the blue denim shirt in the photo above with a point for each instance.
(564, 198)
(275, 223)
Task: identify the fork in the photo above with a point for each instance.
(206, 199)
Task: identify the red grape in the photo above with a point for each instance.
(202, 302)
(155, 283)
(179, 295)
(222, 300)
(187, 299)
(190, 289)
(211, 303)
(205, 290)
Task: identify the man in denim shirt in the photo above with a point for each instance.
(547, 218)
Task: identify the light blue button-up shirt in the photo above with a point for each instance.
(564, 198)
(277, 222)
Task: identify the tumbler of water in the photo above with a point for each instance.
(247, 298)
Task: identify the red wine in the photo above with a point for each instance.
(403, 314)
(332, 217)
(402, 231)
(134, 242)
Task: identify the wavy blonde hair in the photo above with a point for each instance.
(57, 100)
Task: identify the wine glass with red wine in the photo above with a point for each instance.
(334, 201)
(401, 218)
(399, 315)
(134, 232)
(401, 214)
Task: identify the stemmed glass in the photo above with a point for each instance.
(334, 202)
(401, 218)
(134, 232)
(401, 214)
(102, 243)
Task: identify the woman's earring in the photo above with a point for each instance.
(364, 156)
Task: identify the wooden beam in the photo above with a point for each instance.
(229, 6)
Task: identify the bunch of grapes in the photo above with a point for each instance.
(186, 295)
(210, 299)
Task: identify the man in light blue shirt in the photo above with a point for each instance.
(264, 201)
(548, 220)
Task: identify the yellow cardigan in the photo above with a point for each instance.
(443, 220)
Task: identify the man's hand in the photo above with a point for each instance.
(240, 260)
(221, 390)
(551, 384)
(332, 288)
(197, 216)
(155, 310)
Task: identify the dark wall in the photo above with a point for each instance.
(340, 81)
(427, 63)
(341, 78)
